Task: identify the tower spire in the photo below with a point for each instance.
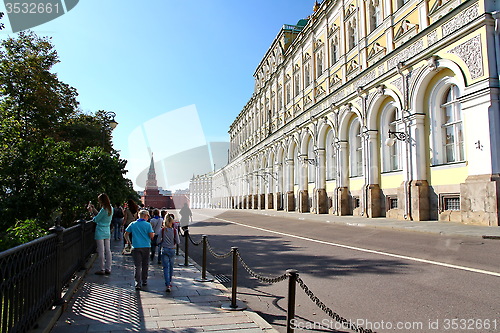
(151, 183)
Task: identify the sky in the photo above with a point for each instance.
(176, 73)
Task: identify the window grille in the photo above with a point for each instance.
(451, 203)
(393, 203)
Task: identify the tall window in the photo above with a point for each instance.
(447, 137)
(356, 149)
(319, 63)
(297, 84)
(351, 34)
(391, 155)
(330, 157)
(375, 12)
(334, 50)
(453, 139)
(311, 168)
(307, 74)
(288, 89)
(401, 3)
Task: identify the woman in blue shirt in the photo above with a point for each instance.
(102, 232)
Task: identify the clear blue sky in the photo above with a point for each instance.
(142, 59)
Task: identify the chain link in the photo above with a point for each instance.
(347, 323)
(260, 277)
(218, 256)
(193, 242)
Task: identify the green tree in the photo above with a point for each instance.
(53, 157)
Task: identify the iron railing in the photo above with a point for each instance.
(33, 275)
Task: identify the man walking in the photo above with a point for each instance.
(142, 233)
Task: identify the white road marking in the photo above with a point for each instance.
(387, 254)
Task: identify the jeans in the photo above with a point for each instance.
(141, 264)
(167, 260)
(104, 251)
(117, 228)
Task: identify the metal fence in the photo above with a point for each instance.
(33, 275)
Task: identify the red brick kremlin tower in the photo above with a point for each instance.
(152, 196)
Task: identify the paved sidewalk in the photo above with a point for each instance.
(111, 304)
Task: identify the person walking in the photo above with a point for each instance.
(186, 216)
(156, 223)
(130, 214)
(169, 238)
(141, 243)
(102, 235)
(117, 222)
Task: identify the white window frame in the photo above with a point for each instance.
(331, 158)
(356, 148)
(438, 125)
(391, 155)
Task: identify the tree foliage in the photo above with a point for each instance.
(53, 157)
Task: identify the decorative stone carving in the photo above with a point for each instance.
(432, 37)
(398, 83)
(406, 54)
(460, 20)
(470, 52)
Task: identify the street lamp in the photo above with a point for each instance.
(390, 141)
(109, 118)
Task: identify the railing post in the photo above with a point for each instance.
(204, 263)
(290, 315)
(186, 247)
(59, 249)
(234, 306)
(82, 245)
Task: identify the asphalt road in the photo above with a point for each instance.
(384, 280)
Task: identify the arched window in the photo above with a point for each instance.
(311, 168)
(447, 137)
(330, 157)
(391, 155)
(296, 166)
(453, 139)
(356, 149)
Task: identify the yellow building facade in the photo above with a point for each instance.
(374, 108)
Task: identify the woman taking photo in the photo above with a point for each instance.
(102, 237)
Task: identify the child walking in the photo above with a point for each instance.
(168, 239)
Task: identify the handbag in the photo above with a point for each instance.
(127, 249)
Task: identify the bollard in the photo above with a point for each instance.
(290, 314)
(204, 263)
(186, 249)
(234, 305)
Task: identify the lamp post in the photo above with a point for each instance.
(110, 121)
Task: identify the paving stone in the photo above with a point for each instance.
(111, 304)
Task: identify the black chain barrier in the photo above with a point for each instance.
(345, 322)
(193, 242)
(292, 274)
(261, 277)
(216, 255)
